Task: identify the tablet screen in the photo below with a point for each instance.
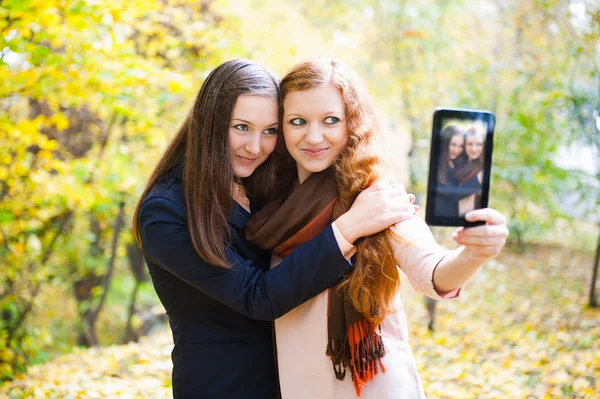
(460, 165)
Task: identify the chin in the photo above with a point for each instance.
(318, 168)
(242, 173)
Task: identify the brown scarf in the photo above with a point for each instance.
(280, 227)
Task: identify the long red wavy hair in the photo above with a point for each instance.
(373, 284)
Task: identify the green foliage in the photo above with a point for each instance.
(85, 91)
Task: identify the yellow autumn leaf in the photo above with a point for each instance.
(174, 86)
(116, 15)
(48, 17)
(60, 121)
(18, 247)
(31, 77)
(45, 155)
(27, 131)
(50, 145)
(18, 169)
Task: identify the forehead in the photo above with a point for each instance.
(456, 137)
(322, 98)
(252, 107)
(474, 138)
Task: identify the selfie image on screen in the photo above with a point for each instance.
(461, 167)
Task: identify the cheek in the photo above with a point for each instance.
(234, 141)
(291, 138)
(268, 145)
(340, 139)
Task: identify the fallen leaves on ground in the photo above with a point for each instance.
(519, 330)
(136, 370)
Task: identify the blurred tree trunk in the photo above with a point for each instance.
(88, 335)
(593, 297)
(136, 262)
(431, 305)
(131, 333)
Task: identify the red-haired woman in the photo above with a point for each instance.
(217, 289)
(337, 344)
(470, 175)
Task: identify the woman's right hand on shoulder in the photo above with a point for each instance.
(375, 209)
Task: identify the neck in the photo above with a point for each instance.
(302, 174)
(239, 195)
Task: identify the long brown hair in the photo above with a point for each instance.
(201, 145)
(473, 166)
(375, 280)
(447, 134)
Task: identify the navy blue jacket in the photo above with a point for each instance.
(448, 195)
(221, 318)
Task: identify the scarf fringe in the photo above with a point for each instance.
(361, 351)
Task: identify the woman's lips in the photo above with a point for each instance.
(314, 152)
(246, 161)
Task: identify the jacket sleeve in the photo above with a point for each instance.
(309, 270)
(418, 254)
(457, 193)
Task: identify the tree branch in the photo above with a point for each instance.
(118, 223)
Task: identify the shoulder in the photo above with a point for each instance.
(166, 195)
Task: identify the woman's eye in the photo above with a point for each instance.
(242, 127)
(272, 130)
(298, 122)
(331, 120)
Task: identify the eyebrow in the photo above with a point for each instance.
(324, 113)
(250, 123)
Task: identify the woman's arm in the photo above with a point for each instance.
(440, 273)
(417, 254)
(307, 271)
(478, 245)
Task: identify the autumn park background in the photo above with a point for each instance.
(91, 90)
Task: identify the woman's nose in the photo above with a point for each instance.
(253, 144)
(313, 135)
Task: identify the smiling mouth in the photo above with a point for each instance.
(314, 152)
(246, 160)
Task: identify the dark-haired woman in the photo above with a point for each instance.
(446, 203)
(470, 176)
(217, 289)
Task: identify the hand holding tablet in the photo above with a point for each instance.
(459, 166)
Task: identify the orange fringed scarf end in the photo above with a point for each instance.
(361, 352)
